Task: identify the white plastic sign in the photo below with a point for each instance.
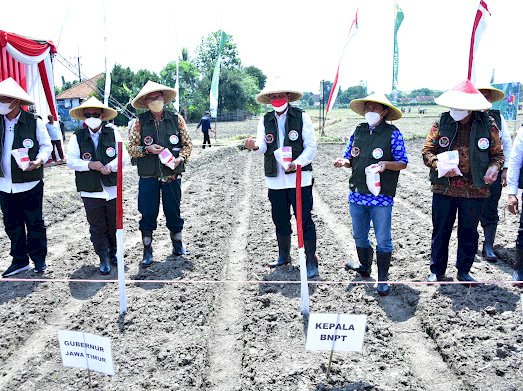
(87, 351)
(336, 332)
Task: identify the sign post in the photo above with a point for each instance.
(301, 249)
(119, 232)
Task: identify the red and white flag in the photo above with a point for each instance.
(336, 86)
(480, 25)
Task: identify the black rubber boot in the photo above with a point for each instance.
(112, 250)
(488, 244)
(383, 261)
(518, 268)
(147, 240)
(105, 263)
(311, 258)
(365, 255)
(284, 251)
(178, 249)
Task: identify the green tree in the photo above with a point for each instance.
(207, 53)
(188, 82)
(351, 93)
(258, 74)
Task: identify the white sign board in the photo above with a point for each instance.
(336, 332)
(87, 351)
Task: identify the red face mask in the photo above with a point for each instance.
(278, 102)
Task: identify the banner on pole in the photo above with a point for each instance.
(336, 332)
(508, 106)
(213, 96)
(336, 85)
(87, 351)
(398, 19)
(478, 28)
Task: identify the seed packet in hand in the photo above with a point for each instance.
(283, 156)
(22, 158)
(372, 177)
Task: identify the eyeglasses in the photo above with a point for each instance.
(94, 115)
(150, 99)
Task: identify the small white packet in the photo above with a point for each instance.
(372, 176)
(283, 156)
(22, 157)
(167, 158)
(448, 161)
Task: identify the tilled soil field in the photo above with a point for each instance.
(218, 322)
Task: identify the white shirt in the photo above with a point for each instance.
(75, 162)
(506, 140)
(282, 180)
(6, 183)
(54, 131)
(515, 163)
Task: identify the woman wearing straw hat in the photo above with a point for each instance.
(156, 130)
(21, 190)
(287, 126)
(93, 153)
(489, 215)
(374, 142)
(467, 129)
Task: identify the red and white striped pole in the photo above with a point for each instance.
(301, 250)
(119, 232)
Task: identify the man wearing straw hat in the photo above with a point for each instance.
(92, 152)
(21, 190)
(286, 125)
(378, 144)
(159, 131)
(460, 187)
(489, 215)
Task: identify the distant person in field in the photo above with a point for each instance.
(287, 125)
(374, 142)
(56, 138)
(515, 181)
(489, 215)
(205, 123)
(63, 128)
(462, 189)
(156, 130)
(92, 153)
(21, 191)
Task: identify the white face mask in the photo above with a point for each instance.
(5, 108)
(93, 123)
(372, 118)
(458, 115)
(156, 106)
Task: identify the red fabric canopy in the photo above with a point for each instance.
(9, 67)
(28, 46)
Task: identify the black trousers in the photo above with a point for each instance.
(206, 139)
(24, 224)
(444, 210)
(101, 216)
(281, 201)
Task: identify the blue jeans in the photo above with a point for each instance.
(444, 210)
(381, 217)
(149, 203)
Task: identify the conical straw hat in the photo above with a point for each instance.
(358, 106)
(92, 102)
(139, 101)
(276, 86)
(495, 94)
(464, 96)
(10, 88)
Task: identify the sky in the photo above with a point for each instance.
(301, 41)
